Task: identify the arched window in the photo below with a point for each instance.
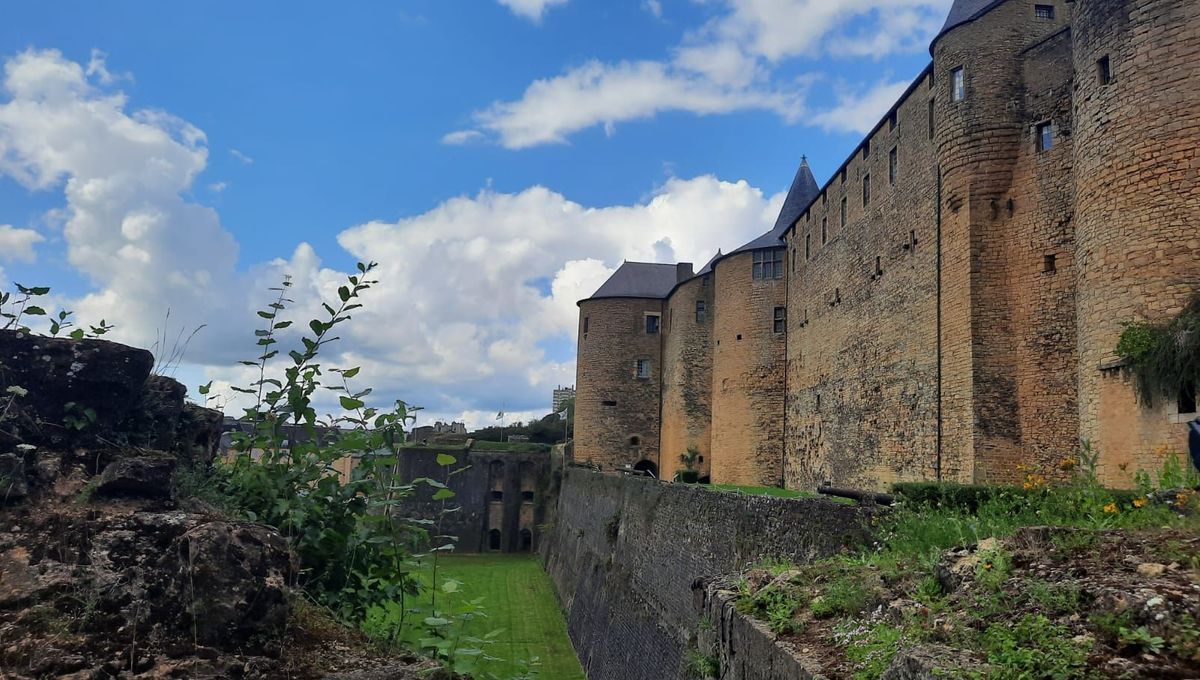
(494, 539)
(526, 540)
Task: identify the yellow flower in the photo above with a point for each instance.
(1111, 508)
(1139, 502)
(1182, 497)
(1067, 464)
(1163, 450)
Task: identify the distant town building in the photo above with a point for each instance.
(561, 395)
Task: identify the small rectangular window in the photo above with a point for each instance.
(866, 189)
(931, 119)
(641, 369)
(701, 311)
(958, 85)
(652, 324)
(585, 324)
(1043, 12)
(1050, 263)
(780, 319)
(824, 230)
(1045, 136)
(1103, 71)
(866, 149)
(843, 175)
(912, 239)
(891, 121)
(892, 166)
(843, 211)
(807, 246)
(878, 266)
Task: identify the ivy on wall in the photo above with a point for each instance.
(1164, 358)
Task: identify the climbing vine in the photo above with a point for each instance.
(1164, 358)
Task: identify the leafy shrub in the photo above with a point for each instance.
(1164, 358)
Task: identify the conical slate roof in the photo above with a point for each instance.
(963, 11)
(638, 280)
(802, 192)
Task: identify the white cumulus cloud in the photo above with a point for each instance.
(859, 110)
(17, 244)
(475, 306)
(728, 64)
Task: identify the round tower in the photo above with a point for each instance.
(1137, 210)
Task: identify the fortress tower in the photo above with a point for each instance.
(947, 305)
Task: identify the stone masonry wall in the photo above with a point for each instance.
(478, 508)
(616, 413)
(687, 376)
(628, 557)
(862, 346)
(1137, 183)
(748, 384)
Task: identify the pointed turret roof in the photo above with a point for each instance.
(802, 192)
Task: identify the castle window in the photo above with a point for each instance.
(494, 539)
(1103, 70)
(1050, 263)
(807, 246)
(843, 175)
(931, 119)
(1045, 12)
(652, 324)
(818, 403)
(608, 402)
(891, 121)
(824, 230)
(912, 239)
(641, 369)
(585, 326)
(958, 85)
(866, 189)
(497, 495)
(893, 162)
(866, 149)
(526, 496)
(768, 264)
(824, 198)
(1187, 399)
(701, 312)
(1045, 136)
(780, 319)
(635, 440)
(843, 211)
(878, 266)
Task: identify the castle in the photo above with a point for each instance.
(947, 306)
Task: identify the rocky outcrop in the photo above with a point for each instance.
(104, 571)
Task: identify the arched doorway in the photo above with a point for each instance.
(526, 540)
(494, 539)
(647, 466)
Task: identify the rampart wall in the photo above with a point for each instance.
(629, 557)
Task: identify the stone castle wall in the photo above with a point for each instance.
(748, 376)
(862, 349)
(687, 376)
(1137, 183)
(617, 414)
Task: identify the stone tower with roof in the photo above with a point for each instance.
(947, 305)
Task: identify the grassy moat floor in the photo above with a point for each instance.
(520, 602)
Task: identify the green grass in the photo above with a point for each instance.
(776, 492)
(518, 599)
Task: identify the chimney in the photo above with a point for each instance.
(683, 271)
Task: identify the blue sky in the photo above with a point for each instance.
(499, 158)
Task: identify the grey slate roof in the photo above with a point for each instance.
(802, 192)
(963, 11)
(638, 280)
